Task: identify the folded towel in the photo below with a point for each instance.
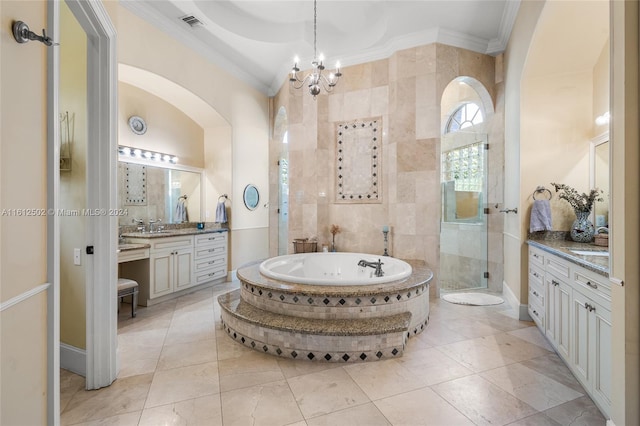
(540, 216)
(181, 212)
(221, 212)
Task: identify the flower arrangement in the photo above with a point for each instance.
(580, 202)
(335, 229)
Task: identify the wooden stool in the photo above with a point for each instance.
(127, 287)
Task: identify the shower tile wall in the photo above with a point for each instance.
(405, 90)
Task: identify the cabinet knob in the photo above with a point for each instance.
(554, 282)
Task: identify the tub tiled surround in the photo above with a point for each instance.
(405, 90)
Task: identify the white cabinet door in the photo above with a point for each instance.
(161, 279)
(601, 359)
(558, 299)
(581, 337)
(183, 261)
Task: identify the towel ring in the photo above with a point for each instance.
(223, 196)
(542, 189)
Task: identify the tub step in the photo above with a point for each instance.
(337, 340)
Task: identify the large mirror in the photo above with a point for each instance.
(600, 178)
(150, 192)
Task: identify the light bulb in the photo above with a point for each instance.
(137, 152)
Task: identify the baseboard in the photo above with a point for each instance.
(523, 310)
(610, 423)
(73, 359)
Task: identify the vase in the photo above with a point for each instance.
(582, 230)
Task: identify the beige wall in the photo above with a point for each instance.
(23, 261)
(169, 130)
(405, 90)
(73, 187)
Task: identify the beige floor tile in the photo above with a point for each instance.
(512, 347)
(128, 419)
(475, 355)
(269, 404)
(431, 366)
(192, 317)
(193, 412)
(123, 396)
(382, 379)
(228, 348)
(532, 335)
(552, 366)
(292, 367)
(581, 411)
(362, 415)
(185, 333)
(537, 390)
(472, 327)
(420, 407)
(135, 364)
(70, 384)
(184, 354)
(483, 402)
(539, 419)
(438, 334)
(325, 392)
(180, 384)
(250, 369)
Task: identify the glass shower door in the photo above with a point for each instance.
(464, 225)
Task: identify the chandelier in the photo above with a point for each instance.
(315, 79)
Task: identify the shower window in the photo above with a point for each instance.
(467, 115)
(463, 171)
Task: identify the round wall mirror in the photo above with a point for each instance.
(251, 197)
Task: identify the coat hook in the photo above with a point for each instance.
(23, 34)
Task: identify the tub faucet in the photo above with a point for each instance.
(376, 265)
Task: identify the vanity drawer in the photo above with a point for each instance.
(210, 262)
(559, 267)
(597, 287)
(211, 274)
(536, 276)
(537, 313)
(536, 296)
(211, 239)
(536, 257)
(209, 251)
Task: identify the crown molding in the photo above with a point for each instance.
(165, 25)
(499, 44)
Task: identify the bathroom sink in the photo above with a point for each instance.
(590, 252)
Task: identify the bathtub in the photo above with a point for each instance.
(334, 269)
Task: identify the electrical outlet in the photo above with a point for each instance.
(76, 256)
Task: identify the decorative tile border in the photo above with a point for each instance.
(317, 355)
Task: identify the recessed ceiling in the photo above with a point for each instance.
(257, 40)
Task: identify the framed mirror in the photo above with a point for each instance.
(171, 193)
(599, 178)
(251, 197)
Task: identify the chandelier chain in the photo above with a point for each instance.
(315, 29)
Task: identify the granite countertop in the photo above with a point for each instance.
(132, 246)
(173, 232)
(420, 275)
(562, 248)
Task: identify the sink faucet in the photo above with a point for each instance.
(151, 224)
(376, 265)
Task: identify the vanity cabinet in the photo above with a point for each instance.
(171, 263)
(180, 262)
(571, 306)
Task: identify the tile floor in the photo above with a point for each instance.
(472, 366)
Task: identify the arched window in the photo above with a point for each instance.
(467, 115)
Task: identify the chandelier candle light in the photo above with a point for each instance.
(315, 79)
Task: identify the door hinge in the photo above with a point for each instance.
(486, 146)
(278, 162)
(486, 210)
(278, 211)
(486, 275)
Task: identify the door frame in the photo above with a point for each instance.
(101, 309)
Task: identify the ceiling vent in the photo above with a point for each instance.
(192, 21)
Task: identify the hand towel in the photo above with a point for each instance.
(221, 212)
(540, 216)
(181, 212)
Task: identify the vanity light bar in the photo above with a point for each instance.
(126, 151)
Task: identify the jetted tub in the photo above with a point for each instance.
(333, 269)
